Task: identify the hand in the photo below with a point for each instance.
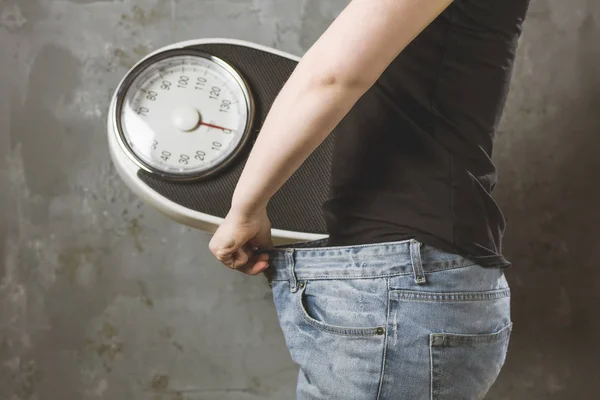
(235, 240)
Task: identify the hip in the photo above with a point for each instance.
(390, 320)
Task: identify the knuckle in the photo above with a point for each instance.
(222, 253)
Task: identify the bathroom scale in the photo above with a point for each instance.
(183, 120)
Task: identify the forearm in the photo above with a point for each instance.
(304, 113)
(342, 65)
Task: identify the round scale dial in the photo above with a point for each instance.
(183, 114)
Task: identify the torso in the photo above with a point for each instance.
(416, 163)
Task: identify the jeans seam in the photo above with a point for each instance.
(430, 369)
(385, 342)
(390, 275)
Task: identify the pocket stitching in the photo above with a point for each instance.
(334, 329)
(456, 339)
(450, 296)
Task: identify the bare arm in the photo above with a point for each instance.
(331, 77)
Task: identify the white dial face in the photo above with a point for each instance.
(185, 115)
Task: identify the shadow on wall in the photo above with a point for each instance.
(43, 138)
(552, 203)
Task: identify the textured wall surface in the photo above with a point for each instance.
(103, 298)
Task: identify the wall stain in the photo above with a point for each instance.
(109, 331)
(11, 17)
(138, 16)
(90, 1)
(159, 382)
(166, 332)
(5, 347)
(255, 384)
(146, 300)
(178, 346)
(47, 153)
(111, 350)
(178, 396)
(138, 289)
(106, 346)
(71, 259)
(128, 60)
(135, 230)
(26, 380)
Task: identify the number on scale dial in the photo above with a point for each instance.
(184, 115)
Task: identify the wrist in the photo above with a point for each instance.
(245, 209)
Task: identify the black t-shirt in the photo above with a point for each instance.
(416, 161)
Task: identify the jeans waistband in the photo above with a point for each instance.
(313, 260)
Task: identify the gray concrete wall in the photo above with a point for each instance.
(103, 298)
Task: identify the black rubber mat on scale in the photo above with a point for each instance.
(297, 205)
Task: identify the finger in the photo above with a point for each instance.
(242, 257)
(256, 265)
(254, 269)
(220, 249)
(228, 259)
(225, 256)
(234, 259)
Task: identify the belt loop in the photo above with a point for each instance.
(417, 264)
(289, 257)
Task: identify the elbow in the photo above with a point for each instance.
(338, 80)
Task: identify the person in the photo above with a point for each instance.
(407, 297)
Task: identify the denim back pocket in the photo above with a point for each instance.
(350, 307)
(456, 328)
(465, 366)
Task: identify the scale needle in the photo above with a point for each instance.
(215, 126)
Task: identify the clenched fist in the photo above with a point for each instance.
(235, 241)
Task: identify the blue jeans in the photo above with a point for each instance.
(397, 320)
